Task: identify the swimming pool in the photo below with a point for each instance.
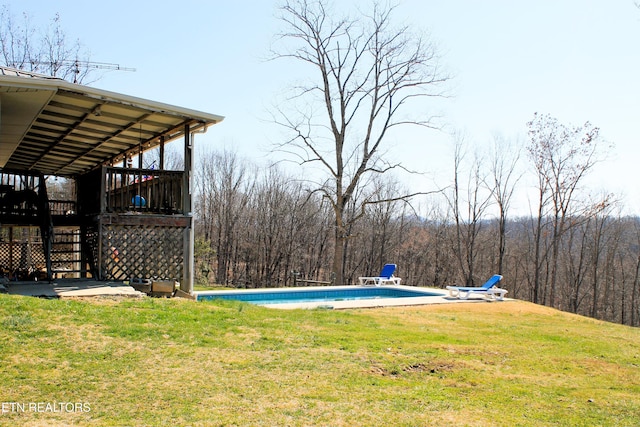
(329, 296)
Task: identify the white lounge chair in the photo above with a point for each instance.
(385, 278)
(489, 290)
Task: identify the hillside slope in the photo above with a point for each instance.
(177, 362)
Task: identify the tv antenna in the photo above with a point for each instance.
(78, 65)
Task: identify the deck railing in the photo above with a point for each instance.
(106, 190)
(62, 207)
(143, 190)
(20, 194)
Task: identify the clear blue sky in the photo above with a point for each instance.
(578, 60)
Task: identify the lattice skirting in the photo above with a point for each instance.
(26, 253)
(142, 251)
(20, 256)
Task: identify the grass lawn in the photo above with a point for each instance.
(177, 362)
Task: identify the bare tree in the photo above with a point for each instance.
(504, 160)
(368, 74)
(47, 52)
(169, 158)
(374, 238)
(224, 186)
(468, 205)
(562, 156)
(16, 40)
(635, 291)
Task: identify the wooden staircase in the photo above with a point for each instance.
(24, 203)
(66, 253)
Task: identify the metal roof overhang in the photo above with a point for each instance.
(59, 128)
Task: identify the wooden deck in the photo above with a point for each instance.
(106, 233)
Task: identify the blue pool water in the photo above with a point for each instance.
(284, 296)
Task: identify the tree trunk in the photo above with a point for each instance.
(338, 257)
(537, 294)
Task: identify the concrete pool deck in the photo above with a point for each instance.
(73, 288)
(441, 296)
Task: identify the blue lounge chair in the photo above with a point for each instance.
(489, 289)
(385, 277)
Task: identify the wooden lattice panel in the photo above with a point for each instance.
(25, 255)
(92, 237)
(143, 251)
(22, 253)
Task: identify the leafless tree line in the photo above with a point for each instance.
(262, 228)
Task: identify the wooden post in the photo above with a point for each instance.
(11, 267)
(188, 238)
(161, 165)
(105, 177)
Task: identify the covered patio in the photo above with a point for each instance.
(118, 219)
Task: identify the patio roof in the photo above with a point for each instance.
(51, 126)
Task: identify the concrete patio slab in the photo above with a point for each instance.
(66, 288)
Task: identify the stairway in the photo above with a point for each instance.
(66, 253)
(24, 202)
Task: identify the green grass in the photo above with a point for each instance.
(178, 362)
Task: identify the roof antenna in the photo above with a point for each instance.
(78, 65)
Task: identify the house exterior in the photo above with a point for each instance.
(122, 221)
